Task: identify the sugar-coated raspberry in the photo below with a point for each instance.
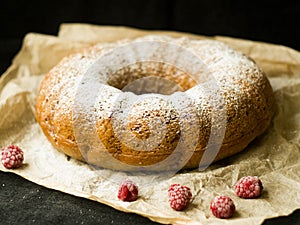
(222, 207)
(248, 187)
(12, 157)
(128, 191)
(179, 196)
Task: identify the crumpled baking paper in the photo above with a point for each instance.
(274, 156)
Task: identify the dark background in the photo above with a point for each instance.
(274, 21)
(22, 202)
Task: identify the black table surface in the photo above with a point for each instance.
(23, 202)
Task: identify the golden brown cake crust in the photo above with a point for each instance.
(247, 97)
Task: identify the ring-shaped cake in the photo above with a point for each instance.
(183, 118)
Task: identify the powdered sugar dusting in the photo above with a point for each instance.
(243, 93)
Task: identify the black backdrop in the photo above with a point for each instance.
(274, 21)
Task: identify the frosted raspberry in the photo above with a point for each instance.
(12, 157)
(248, 187)
(222, 207)
(179, 196)
(128, 191)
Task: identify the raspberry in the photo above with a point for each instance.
(179, 196)
(248, 187)
(12, 157)
(222, 207)
(128, 191)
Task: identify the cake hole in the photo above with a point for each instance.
(151, 77)
(151, 84)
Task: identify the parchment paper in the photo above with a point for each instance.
(274, 156)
